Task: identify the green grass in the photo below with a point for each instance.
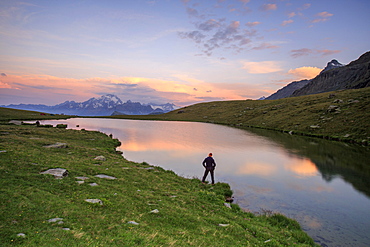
(7, 114)
(305, 115)
(189, 212)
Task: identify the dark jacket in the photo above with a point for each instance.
(209, 162)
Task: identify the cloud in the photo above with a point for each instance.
(4, 85)
(328, 52)
(263, 67)
(192, 12)
(287, 22)
(218, 34)
(268, 7)
(306, 52)
(322, 16)
(252, 24)
(291, 14)
(182, 90)
(3, 74)
(304, 72)
(209, 25)
(264, 46)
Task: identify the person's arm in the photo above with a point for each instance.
(214, 163)
(204, 161)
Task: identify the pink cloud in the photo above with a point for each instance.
(45, 89)
(304, 72)
(252, 24)
(264, 46)
(323, 16)
(268, 7)
(287, 22)
(263, 67)
(306, 52)
(292, 14)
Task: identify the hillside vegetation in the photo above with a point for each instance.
(142, 206)
(340, 115)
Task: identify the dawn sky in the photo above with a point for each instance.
(176, 51)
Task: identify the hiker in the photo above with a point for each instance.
(210, 165)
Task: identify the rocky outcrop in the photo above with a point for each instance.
(56, 172)
(288, 90)
(352, 76)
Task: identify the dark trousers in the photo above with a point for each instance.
(209, 170)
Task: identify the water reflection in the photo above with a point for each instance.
(314, 181)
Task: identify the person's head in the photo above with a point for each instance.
(210, 154)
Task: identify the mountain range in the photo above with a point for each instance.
(335, 76)
(106, 105)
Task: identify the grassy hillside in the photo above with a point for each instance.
(341, 115)
(188, 213)
(7, 114)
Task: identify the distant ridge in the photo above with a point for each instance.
(288, 90)
(352, 76)
(335, 76)
(106, 105)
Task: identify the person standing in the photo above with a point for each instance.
(209, 164)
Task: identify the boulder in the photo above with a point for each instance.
(57, 145)
(94, 201)
(58, 173)
(100, 158)
(105, 176)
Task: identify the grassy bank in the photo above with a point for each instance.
(188, 213)
(342, 115)
(7, 114)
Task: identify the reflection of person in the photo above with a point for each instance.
(210, 165)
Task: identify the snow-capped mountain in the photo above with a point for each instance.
(333, 64)
(106, 105)
(289, 89)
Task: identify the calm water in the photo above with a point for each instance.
(323, 185)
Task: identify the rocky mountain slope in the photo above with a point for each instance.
(288, 90)
(352, 76)
(106, 105)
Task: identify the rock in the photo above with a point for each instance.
(155, 211)
(353, 101)
(2, 151)
(105, 176)
(100, 158)
(21, 235)
(58, 173)
(227, 205)
(338, 101)
(133, 223)
(314, 126)
(224, 225)
(55, 220)
(94, 201)
(66, 229)
(333, 108)
(82, 178)
(93, 184)
(80, 182)
(57, 145)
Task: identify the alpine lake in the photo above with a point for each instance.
(322, 184)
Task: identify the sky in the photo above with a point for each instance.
(171, 51)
